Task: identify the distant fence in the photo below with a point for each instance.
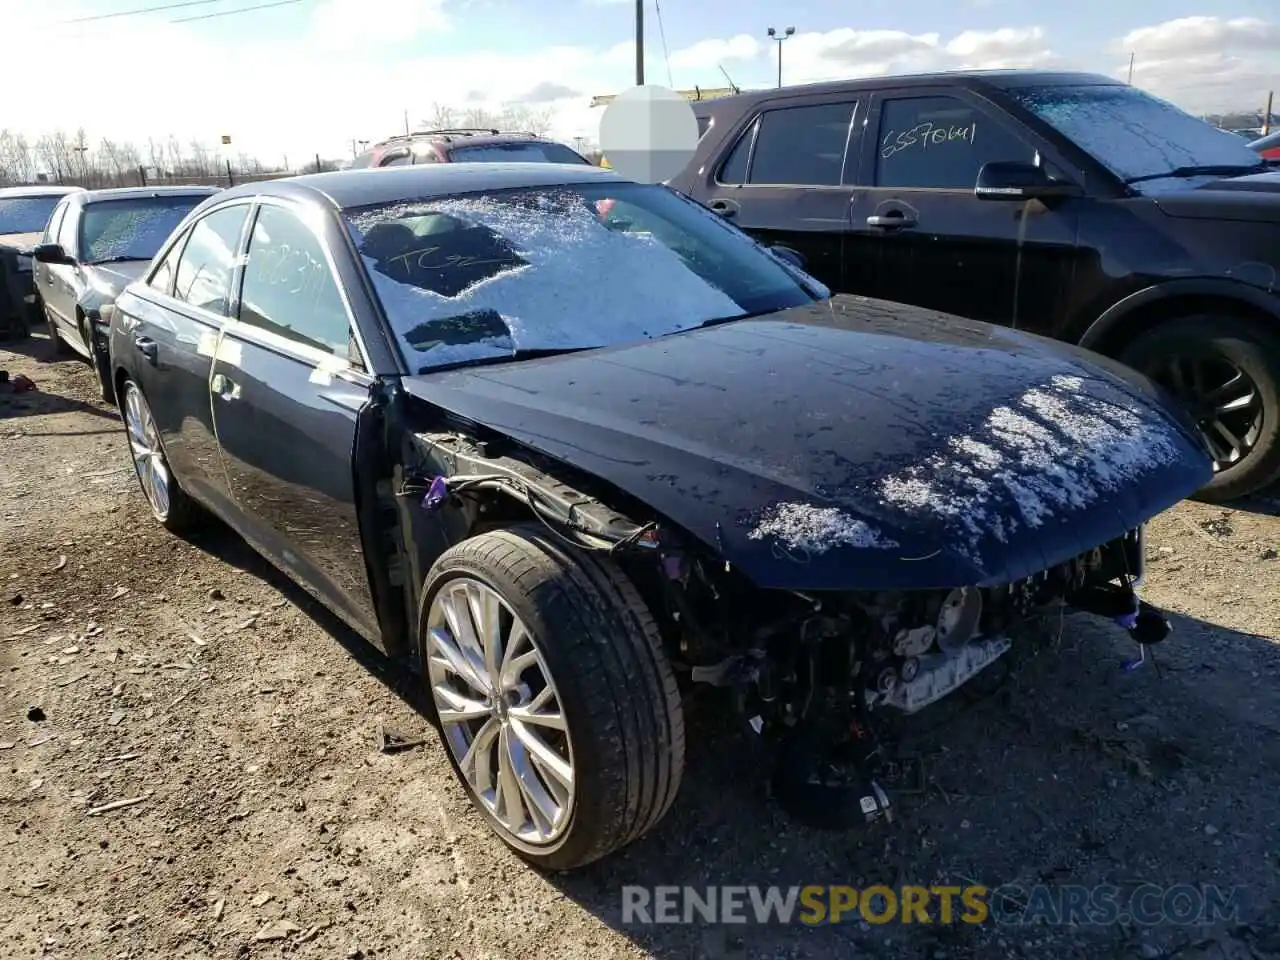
(141, 177)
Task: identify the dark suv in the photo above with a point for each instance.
(1066, 204)
(465, 145)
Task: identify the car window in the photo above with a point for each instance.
(208, 260)
(133, 228)
(66, 231)
(704, 124)
(483, 276)
(162, 276)
(361, 160)
(803, 146)
(940, 143)
(400, 161)
(515, 152)
(288, 287)
(54, 224)
(26, 214)
(1136, 135)
(734, 169)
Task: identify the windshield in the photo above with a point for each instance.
(1134, 134)
(133, 228)
(26, 214)
(516, 153)
(481, 276)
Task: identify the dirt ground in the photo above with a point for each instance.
(192, 679)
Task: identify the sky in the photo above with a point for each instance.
(311, 76)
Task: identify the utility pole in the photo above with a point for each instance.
(776, 38)
(1266, 114)
(639, 43)
(1132, 53)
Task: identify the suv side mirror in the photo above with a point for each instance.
(793, 257)
(1016, 180)
(50, 253)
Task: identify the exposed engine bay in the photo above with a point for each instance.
(808, 670)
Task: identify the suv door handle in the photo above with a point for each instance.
(891, 221)
(723, 207)
(147, 347)
(224, 387)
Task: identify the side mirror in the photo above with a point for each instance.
(50, 253)
(793, 257)
(1015, 180)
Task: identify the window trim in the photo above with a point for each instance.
(293, 349)
(750, 130)
(55, 221)
(176, 248)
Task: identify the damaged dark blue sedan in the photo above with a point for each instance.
(559, 443)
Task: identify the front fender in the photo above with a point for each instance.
(1114, 317)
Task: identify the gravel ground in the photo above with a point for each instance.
(241, 718)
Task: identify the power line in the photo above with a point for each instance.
(141, 10)
(228, 13)
(662, 32)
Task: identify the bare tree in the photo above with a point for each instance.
(17, 160)
(442, 117)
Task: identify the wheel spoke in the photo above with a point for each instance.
(457, 611)
(533, 712)
(486, 614)
(455, 661)
(460, 709)
(551, 761)
(1234, 444)
(476, 762)
(543, 809)
(511, 798)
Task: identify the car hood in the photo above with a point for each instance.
(1254, 198)
(107, 280)
(855, 443)
(20, 241)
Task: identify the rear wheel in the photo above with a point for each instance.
(1226, 373)
(169, 503)
(556, 704)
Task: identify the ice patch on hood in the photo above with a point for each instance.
(815, 530)
(1056, 446)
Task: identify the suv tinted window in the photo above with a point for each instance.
(208, 260)
(531, 152)
(288, 286)
(940, 142)
(802, 145)
(734, 168)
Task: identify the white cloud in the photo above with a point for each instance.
(1204, 63)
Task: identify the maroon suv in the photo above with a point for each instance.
(465, 145)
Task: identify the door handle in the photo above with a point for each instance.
(147, 347)
(722, 207)
(891, 221)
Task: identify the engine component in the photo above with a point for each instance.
(912, 643)
(827, 786)
(959, 618)
(940, 673)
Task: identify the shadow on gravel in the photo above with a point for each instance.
(1266, 503)
(1061, 770)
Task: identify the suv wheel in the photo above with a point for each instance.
(1226, 372)
(553, 697)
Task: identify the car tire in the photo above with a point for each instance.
(101, 365)
(171, 506)
(599, 652)
(1224, 342)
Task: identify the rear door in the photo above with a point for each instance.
(289, 381)
(786, 179)
(171, 336)
(937, 245)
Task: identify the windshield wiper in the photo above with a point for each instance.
(1220, 170)
(122, 258)
(528, 353)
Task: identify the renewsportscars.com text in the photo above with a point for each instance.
(1065, 904)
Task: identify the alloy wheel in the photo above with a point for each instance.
(148, 457)
(500, 712)
(1221, 399)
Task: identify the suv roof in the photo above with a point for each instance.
(1001, 79)
(38, 190)
(446, 139)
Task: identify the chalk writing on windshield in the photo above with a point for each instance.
(926, 135)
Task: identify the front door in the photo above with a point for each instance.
(937, 245)
(785, 180)
(62, 280)
(287, 389)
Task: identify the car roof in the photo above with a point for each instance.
(38, 190)
(477, 136)
(135, 193)
(358, 188)
(1270, 140)
(1000, 79)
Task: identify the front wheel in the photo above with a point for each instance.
(1226, 373)
(556, 704)
(58, 346)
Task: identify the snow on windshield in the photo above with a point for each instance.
(1132, 133)
(472, 278)
(136, 229)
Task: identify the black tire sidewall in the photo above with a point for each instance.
(1255, 352)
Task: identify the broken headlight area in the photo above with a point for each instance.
(817, 669)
